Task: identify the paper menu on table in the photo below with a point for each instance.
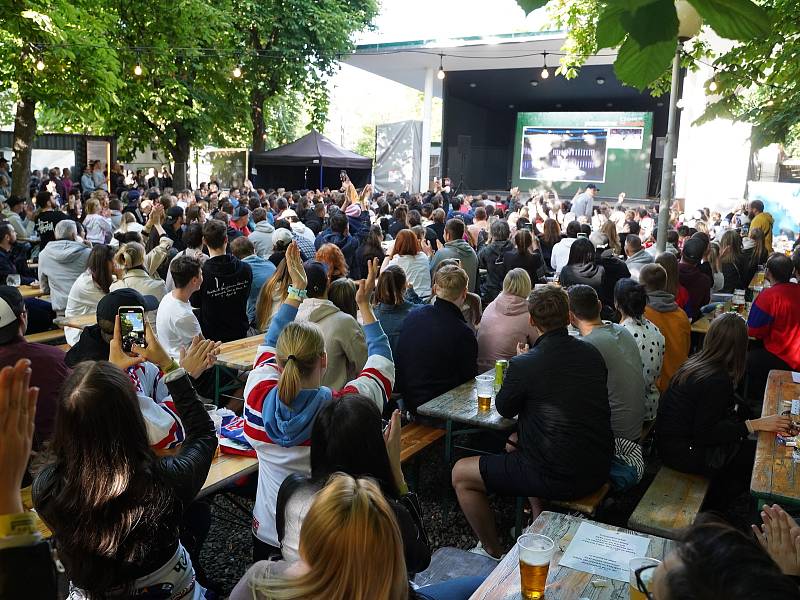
(603, 552)
(795, 377)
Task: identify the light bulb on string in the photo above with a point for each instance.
(137, 70)
(40, 65)
(237, 72)
(545, 73)
(440, 73)
(712, 87)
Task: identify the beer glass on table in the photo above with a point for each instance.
(14, 280)
(641, 570)
(485, 386)
(535, 553)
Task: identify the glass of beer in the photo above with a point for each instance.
(646, 576)
(485, 386)
(535, 553)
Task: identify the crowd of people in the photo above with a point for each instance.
(371, 304)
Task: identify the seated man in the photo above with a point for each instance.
(456, 247)
(626, 388)
(636, 255)
(672, 322)
(491, 258)
(775, 320)
(558, 392)
(262, 268)
(436, 350)
(697, 283)
(61, 263)
(48, 369)
(13, 261)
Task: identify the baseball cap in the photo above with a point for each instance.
(175, 213)
(599, 239)
(133, 195)
(109, 305)
(592, 186)
(282, 235)
(240, 211)
(288, 213)
(317, 276)
(693, 249)
(12, 305)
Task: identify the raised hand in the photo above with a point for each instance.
(199, 356)
(295, 266)
(116, 355)
(779, 535)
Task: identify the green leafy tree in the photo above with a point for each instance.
(49, 61)
(291, 47)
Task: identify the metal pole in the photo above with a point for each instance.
(669, 155)
(425, 150)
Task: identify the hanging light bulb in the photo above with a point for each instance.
(440, 74)
(712, 87)
(545, 73)
(237, 72)
(770, 103)
(40, 65)
(137, 70)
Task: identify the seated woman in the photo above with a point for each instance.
(350, 549)
(699, 428)
(733, 262)
(393, 302)
(581, 268)
(525, 255)
(348, 437)
(114, 506)
(343, 294)
(331, 255)
(506, 323)
(272, 296)
(408, 255)
(130, 257)
(283, 393)
(630, 299)
(89, 287)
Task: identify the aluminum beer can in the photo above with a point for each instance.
(499, 373)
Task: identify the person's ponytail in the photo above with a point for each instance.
(299, 347)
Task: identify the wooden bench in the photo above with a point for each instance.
(414, 438)
(587, 505)
(46, 337)
(670, 504)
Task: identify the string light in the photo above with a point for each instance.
(712, 87)
(237, 72)
(545, 73)
(40, 65)
(137, 70)
(440, 74)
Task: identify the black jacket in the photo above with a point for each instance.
(558, 392)
(183, 474)
(491, 258)
(532, 263)
(222, 298)
(436, 351)
(45, 226)
(91, 346)
(13, 263)
(615, 269)
(28, 572)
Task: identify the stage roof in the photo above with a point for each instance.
(406, 62)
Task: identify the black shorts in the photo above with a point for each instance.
(513, 474)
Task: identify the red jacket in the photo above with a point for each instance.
(775, 319)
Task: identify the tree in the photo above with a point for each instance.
(50, 59)
(644, 32)
(290, 47)
(186, 92)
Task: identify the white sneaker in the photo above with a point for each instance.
(481, 552)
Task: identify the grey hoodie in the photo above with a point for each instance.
(661, 301)
(345, 343)
(463, 251)
(262, 239)
(60, 264)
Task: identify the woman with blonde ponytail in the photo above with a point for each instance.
(284, 393)
(130, 261)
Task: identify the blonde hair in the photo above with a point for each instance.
(130, 255)
(517, 282)
(277, 286)
(92, 206)
(451, 281)
(352, 545)
(299, 348)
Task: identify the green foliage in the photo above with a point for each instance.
(365, 146)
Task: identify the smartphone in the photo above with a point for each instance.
(131, 321)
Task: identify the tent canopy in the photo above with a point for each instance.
(312, 150)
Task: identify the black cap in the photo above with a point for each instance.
(175, 213)
(317, 276)
(693, 249)
(592, 186)
(12, 305)
(240, 211)
(109, 305)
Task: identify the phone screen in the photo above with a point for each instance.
(131, 321)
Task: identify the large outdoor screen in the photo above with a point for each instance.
(564, 154)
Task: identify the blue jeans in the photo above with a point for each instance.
(454, 589)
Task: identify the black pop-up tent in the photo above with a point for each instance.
(312, 162)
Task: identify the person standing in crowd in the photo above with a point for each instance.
(699, 428)
(49, 369)
(263, 234)
(456, 247)
(431, 332)
(408, 255)
(173, 227)
(345, 346)
(505, 323)
(223, 294)
(583, 204)
(626, 389)
(697, 283)
(763, 221)
(46, 219)
(243, 249)
(61, 263)
(631, 299)
(555, 402)
(99, 228)
(559, 256)
(774, 320)
(491, 258)
(89, 288)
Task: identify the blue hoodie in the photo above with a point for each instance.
(347, 244)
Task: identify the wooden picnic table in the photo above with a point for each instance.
(31, 291)
(563, 583)
(460, 405)
(83, 321)
(225, 469)
(703, 323)
(776, 477)
(240, 354)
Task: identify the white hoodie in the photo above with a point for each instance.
(262, 238)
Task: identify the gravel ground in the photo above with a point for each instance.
(228, 549)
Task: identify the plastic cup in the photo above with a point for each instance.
(535, 553)
(485, 387)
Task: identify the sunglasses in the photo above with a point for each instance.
(641, 585)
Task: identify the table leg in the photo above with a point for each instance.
(448, 456)
(217, 369)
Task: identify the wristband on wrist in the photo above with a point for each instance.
(17, 524)
(297, 292)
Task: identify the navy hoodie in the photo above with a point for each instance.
(347, 244)
(222, 298)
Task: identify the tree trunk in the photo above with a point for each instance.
(24, 132)
(257, 116)
(180, 154)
